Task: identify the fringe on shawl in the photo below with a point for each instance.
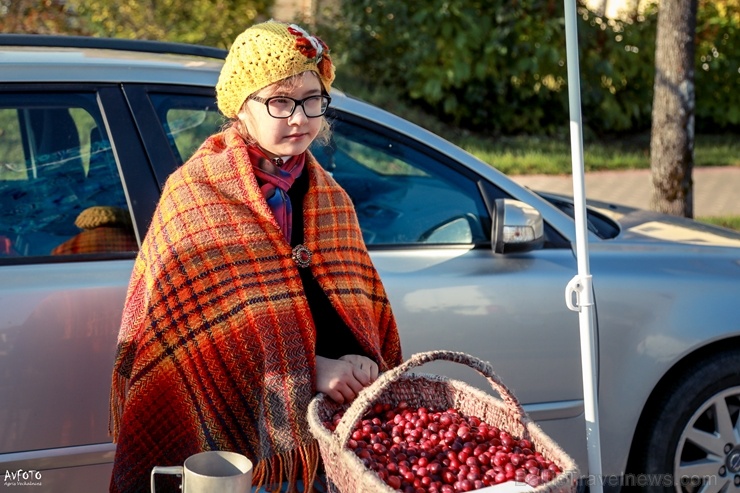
(118, 392)
(270, 472)
(284, 468)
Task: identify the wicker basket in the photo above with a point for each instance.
(347, 474)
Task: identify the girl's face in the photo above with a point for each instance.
(290, 136)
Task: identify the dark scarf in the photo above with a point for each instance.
(275, 177)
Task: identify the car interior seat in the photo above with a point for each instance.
(39, 205)
(59, 161)
(59, 173)
(105, 222)
(103, 184)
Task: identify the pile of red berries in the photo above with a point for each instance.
(419, 450)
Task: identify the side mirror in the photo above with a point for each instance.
(517, 227)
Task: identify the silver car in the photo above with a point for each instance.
(89, 131)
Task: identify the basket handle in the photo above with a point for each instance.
(370, 393)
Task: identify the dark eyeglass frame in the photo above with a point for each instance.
(296, 103)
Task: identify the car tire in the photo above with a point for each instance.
(693, 436)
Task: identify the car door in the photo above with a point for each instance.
(425, 220)
(181, 116)
(426, 224)
(68, 239)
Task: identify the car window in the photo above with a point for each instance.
(403, 193)
(60, 190)
(188, 120)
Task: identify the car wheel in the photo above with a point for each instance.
(692, 442)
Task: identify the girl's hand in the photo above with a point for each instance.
(366, 370)
(342, 379)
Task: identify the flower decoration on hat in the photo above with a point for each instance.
(313, 48)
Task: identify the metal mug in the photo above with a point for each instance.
(213, 471)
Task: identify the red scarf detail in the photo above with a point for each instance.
(275, 177)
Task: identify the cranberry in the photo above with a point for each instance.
(533, 480)
(466, 485)
(422, 450)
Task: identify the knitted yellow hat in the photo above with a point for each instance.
(264, 54)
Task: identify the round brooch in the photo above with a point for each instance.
(302, 256)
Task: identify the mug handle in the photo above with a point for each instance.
(177, 470)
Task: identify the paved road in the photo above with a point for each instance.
(716, 189)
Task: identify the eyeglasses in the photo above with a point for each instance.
(284, 107)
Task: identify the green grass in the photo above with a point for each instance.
(731, 222)
(550, 155)
(518, 155)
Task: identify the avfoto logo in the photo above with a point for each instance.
(23, 478)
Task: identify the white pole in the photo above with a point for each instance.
(579, 291)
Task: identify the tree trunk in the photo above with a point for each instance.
(672, 138)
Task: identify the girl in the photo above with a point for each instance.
(253, 289)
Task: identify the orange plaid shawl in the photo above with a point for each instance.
(217, 344)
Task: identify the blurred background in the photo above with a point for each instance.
(493, 66)
(489, 75)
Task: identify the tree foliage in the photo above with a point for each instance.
(38, 17)
(498, 66)
(208, 22)
(481, 64)
(718, 65)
